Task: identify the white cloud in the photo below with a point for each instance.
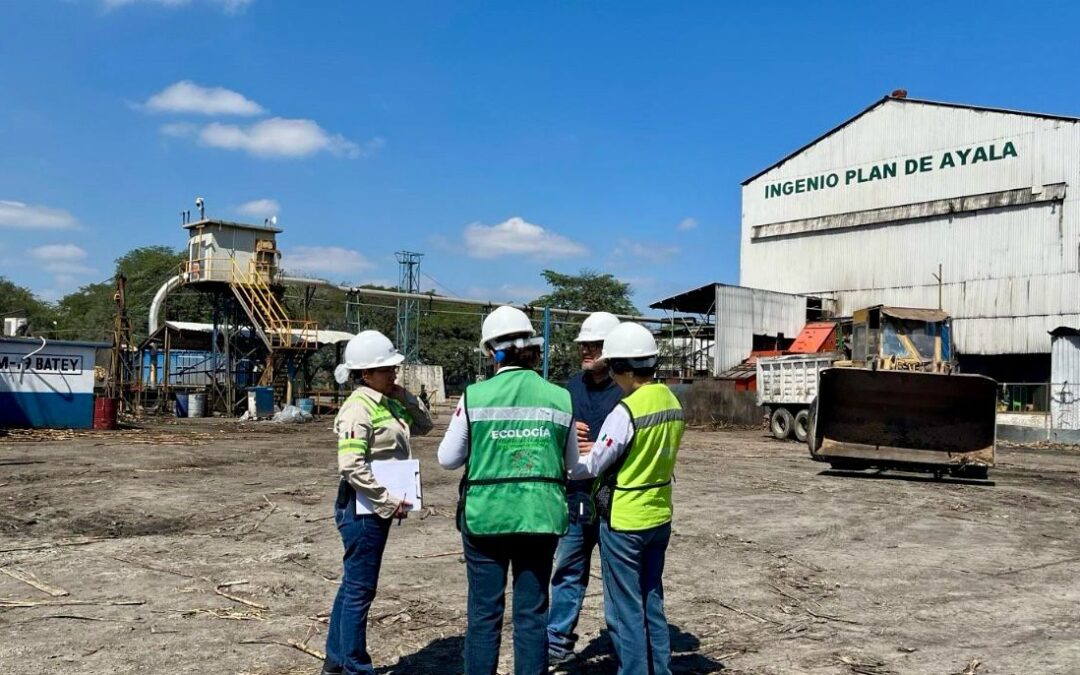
(227, 6)
(518, 237)
(328, 260)
(187, 97)
(260, 208)
(278, 137)
(687, 224)
(34, 217)
(64, 260)
(655, 253)
(58, 253)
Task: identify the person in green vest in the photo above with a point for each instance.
(512, 433)
(375, 424)
(634, 460)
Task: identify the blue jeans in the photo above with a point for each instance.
(487, 560)
(633, 570)
(364, 537)
(570, 579)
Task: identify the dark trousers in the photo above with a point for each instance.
(364, 538)
(570, 579)
(487, 561)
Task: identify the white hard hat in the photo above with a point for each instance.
(503, 322)
(596, 327)
(369, 349)
(629, 340)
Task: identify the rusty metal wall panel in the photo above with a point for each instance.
(1009, 272)
(1065, 382)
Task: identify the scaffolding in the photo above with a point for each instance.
(408, 309)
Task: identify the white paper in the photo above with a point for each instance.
(401, 478)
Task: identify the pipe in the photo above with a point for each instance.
(159, 300)
(379, 293)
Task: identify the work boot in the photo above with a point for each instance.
(560, 662)
(331, 668)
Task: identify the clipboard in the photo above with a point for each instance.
(401, 478)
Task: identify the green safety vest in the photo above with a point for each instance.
(383, 414)
(515, 476)
(639, 484)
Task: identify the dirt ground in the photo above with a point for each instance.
(776, 566)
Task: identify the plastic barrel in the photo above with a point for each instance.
(196, 405)
(181, 404)
(306, 404)
(104, 413)
(261, 401)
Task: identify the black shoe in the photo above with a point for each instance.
(561, 660)
(331, 668)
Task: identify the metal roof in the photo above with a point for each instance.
(1064, 330)
(702, 300)
(232, 224)
(885, 99)
(62, 343)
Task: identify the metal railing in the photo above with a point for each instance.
(282, 331)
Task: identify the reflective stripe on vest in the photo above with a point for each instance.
(386, 413)
(514, 481)
(641, 496)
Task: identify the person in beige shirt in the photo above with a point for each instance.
(375, 423)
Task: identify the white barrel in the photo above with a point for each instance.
(196, 405)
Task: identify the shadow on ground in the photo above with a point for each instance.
(439, 657)
(909, 477)
(598, 657)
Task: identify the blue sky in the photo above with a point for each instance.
(497, 138)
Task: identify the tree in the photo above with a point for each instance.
(87, 314)
(18, 301)
(588, 291)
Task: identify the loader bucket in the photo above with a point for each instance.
(908, 420)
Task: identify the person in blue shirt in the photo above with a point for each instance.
(593, 395)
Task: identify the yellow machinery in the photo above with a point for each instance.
(894, 401)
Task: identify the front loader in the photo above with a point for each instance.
(894, 402)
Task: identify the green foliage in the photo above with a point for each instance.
(588, 291)
(18, 301)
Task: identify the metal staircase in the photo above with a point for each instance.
(286, 339)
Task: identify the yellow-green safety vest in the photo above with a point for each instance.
(637, 488)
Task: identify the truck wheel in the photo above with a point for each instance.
(781, 423)
(971, 472)
(802, 425)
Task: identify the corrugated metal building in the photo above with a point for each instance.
(1065, 379)
(867, 212)
(742, 317)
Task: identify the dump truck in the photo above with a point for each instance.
(786, 387)
(896, 402)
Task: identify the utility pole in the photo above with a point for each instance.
(119, 383)
(408, 309)
(938, 277)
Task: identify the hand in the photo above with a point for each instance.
(397, 392)
(402, 510)
(582, 431)
(584, 447)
